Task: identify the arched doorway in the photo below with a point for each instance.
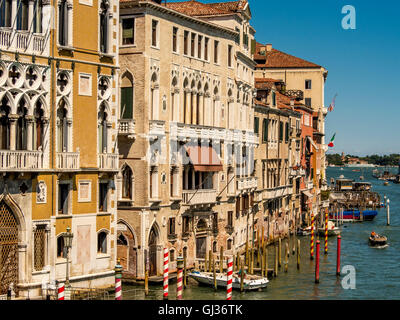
(126, 251)
(8, 248)
(153, 239)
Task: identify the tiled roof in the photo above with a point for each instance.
(265, 83)
(196, 8)
(279, 59)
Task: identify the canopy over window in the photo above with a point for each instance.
(204, 158)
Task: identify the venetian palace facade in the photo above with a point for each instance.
(58, 155)
(143, 125)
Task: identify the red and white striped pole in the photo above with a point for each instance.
(118, 277)
(60, 291)
(312, 237)
(229, 282)
(179, 284)
(165, 284)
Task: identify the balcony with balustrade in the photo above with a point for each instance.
(23, 41)
(68, 161)
(126, 127)
(200, 196)
(108, 162)
(21, 160)
(246, 183)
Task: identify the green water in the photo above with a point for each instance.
(377, 270)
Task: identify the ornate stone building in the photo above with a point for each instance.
(58, 155)
(185, 131)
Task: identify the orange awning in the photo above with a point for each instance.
(204, 159)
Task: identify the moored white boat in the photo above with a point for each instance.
(250, 282)
(332, 230)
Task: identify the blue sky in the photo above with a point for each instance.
(363, 64)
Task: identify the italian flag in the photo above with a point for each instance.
(331, 142)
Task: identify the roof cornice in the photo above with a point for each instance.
(155, 6)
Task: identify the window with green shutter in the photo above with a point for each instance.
(256, 124)
(280, 131)
(253, 46)
(265, 130)
(127, 103)
(287, 132)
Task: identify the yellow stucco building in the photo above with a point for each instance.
(58, 152)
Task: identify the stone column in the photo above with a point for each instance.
(109, 137)
(29, 130)
(13, 134)
(187, 111)
(13, 12)
(70, 25)
(201, 108)
(30, 14)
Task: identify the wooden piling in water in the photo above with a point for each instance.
(209, 261)
(286, 256)
(276, 262)
(241, 276)
(266, 259)
(214, 276)
(262, 263)
(317, 263)
(388, 212)
(279, 253)
(184, 272)
(247, 254)
(294, 244)
(252, 261)
(146, 283)
(238, 260)
(221, 260)
(298, 254)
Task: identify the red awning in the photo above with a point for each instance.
(204, 159)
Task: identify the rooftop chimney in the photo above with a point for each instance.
(269, 47)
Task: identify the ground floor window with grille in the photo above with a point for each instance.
(102, 242)
(201, 247)
(103, 192)
(39, 238)
(60, 247)
(171, 226)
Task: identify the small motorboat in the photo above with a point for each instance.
(304, 231)
(377, 240)
(332, 230)
(386, 183)
(250, 282)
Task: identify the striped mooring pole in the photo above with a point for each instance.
(312, 237)
(60, 291)
(229, 282)
(118, 276)
(165, 283)
(326, 231)
(179, 283)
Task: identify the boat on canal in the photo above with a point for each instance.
(377, 240)
(332, 230)
(250, 282)
(304, 231)
(355, 215)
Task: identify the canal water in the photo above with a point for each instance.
(377, 271)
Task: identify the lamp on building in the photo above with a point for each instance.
(68, 236)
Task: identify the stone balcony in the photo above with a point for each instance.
(108, 161)
(193, 197)
(246, 183)
(67, 161)
(277, 192)
(22, 41)
(21, 160)
(126, 127)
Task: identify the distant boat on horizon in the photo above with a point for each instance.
(360, 165)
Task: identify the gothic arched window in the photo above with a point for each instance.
(62, 127)
(4, 124)
(38, 127)
(22, 15)
(104, 7)
(21, 136)
(127, 183)
(127, 89)
(102, 129)
(5, 13)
